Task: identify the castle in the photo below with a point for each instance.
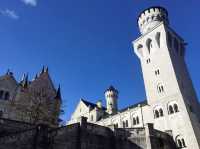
(35, 101)
(171, 105)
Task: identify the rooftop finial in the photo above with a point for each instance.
(23, 77)
(9, 72)
(46, 69)
(24, 80)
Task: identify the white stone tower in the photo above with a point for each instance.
(111, 95)
(170, 94)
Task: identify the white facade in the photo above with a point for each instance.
(172, 104)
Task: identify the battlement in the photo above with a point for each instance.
(151, 17)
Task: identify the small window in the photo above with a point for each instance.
(183, 142)
(157, 72)
(137, 120)
(7, 96)
(176, 108)
(158, 39)
(161, 112)
(134, 121)
(160, 88)
(180, 142)
(171, 110)
(126, 123)
(148, 60)
(1, 94)
(149, 45)
(156, 114)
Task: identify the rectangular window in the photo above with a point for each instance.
(126, 123)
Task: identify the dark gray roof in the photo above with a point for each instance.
(111, 88)
(142, 103)
(92, 105)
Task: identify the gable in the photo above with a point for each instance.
(81, 110)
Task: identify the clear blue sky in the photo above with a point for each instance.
(87, 44)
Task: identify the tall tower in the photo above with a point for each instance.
(169, 89)
(111, 95)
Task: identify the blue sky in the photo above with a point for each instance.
(87, 44)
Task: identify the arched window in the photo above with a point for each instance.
(116, 125)
(7, 96)
(180, 142)
(137, 120)
(171, 111)
(161, 112)
(160, 88)
(140, 49)
(183, 142)
(134, 121)
(126, 123)
(149, 45)
(158, 39)
(176, 108)
(156, 114)
(1, 94)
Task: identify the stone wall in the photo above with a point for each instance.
(83, 135)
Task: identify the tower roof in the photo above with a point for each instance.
(111, 88)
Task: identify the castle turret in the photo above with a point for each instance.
(111, 95)
(151, 17)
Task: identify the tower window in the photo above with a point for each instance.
(173, 108)
(176, 108)
(157, 72)
(137, 120)
(161, 112)
(160, 88)
(149, 45)
(148, 60)
(158, 112)
(158, 39)
(180, 142)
